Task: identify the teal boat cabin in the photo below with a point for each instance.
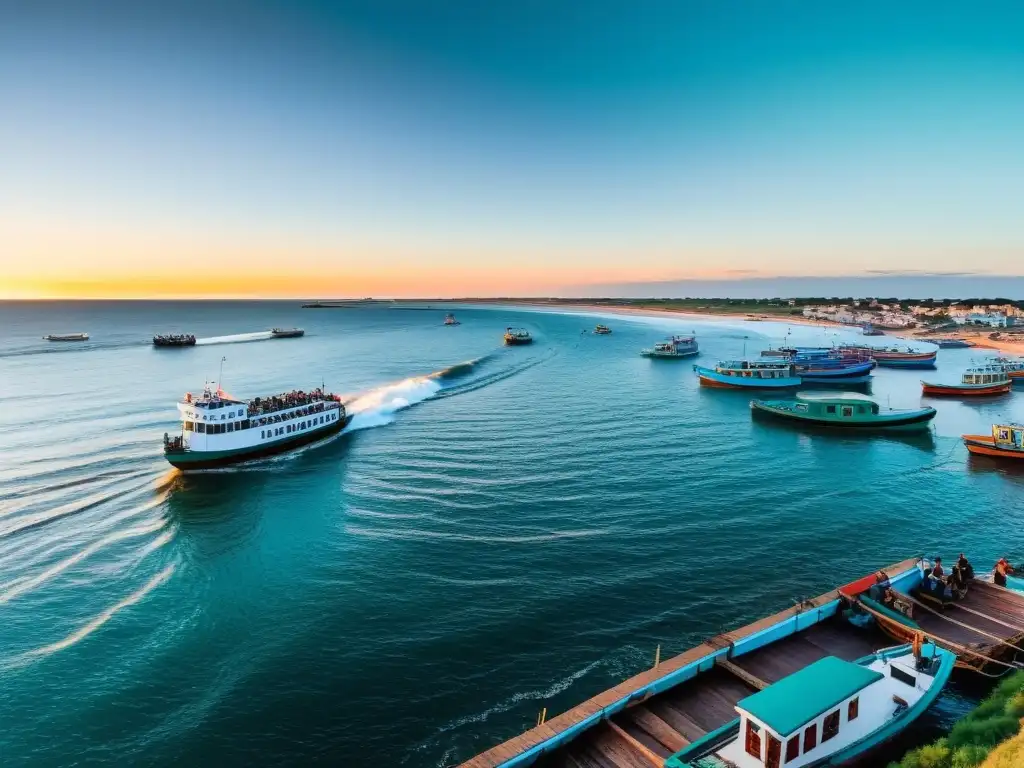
(849, 411)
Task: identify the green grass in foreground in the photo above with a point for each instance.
(969, 743)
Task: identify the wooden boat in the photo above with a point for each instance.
(982, 381)
(832, 369)
(676, 347)
(174, 340)
(1014, 367)
(693, 704)
(952, 343)
(602, 329)
(1005, 442)
(845, 411)
(895, 357)
(67, 337)
(749, 374)
(517, 337)
(286, 333)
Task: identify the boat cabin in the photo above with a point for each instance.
(986, 374)
(756, 369)
(841, 406)
(1008, 436)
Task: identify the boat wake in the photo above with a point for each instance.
(238, 338)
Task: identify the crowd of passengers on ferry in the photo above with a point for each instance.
(315, 402)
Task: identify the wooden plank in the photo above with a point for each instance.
(641, 749)
(678, 720)
(742, 674)
(614, 752)
(658, 728)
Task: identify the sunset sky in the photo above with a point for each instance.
(502, 148)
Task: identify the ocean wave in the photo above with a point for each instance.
(417, 533)
(237, 338)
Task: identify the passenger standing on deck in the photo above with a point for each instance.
(1002, 570)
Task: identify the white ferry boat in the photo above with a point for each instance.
(218, 430)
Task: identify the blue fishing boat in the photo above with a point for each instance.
(753, 693)
(749, 374)
(833, 370)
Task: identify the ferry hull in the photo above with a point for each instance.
(193, 460)
(964, 390)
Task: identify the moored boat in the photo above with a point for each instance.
(602, 329)
(832, 367)
(894, 357)
(517, 337)
(449, 319)
(676, 347)
(67, 337)
(981, 381)
(951, 343)
(749, 374)
(845, 411)
(218, 430)
(686, 708)
(174, 340)
(1013, 366)
(286, 333)
(1005, 442)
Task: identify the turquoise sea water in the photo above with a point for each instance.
(500, 530)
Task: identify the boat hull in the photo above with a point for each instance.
(923, 362)
(513, 342)
(965, 390)
(836, 381)
(165, 343)
(674, 356)
(984, 445)
(716, 380)
(881, 423)
(194, 460)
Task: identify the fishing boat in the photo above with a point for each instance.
(981, 381)
(67, 337)
(517, 337)
(676, 347)
(449, 319)
(804, 682)
(749, 374)
(846, 411)
(832, 368)
(218, 430)
(1005, 442)
(951, 343)
(894, 357)
(1013, 366)
(286, 333)
(602, 329)
(174, 340)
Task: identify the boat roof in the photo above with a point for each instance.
(794, 701)
(852, 397)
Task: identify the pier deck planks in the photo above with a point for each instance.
(690, 709)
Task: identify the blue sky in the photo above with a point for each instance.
(476, 147)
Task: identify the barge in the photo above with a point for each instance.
(693, 706)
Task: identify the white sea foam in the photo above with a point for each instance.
(237, 338)
(379, 406)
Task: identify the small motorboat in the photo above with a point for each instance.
(831, 712)
(675, 348)
(952, 343)
(517, 337)
(449, 319)
(749, 374)
(67, 337)
(175, 340)
(602, 329)
(982, 381)
(1005, 442)
(847, 411)
(286, 333)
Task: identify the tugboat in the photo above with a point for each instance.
(1005, 442)
(675, 348)
(175, 340)
(449, 319)
(218, 430)
(847, 411)
(67, 337)
(602, 330)
(749, 374)
(975, 382)
(517, 337)
(286, 333)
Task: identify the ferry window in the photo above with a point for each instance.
(263, 434)
(830, 728)
(245, 423)
(231, 426)
(853, 710)
(753, 745)
(200, 427)
(793, 748)
(830, 409)
(321, 419)
(810, 738)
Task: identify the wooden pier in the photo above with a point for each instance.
(644, 720)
